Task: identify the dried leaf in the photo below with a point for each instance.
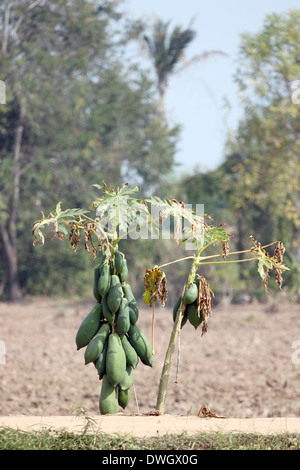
(225, 248)
(155, 283)
(204, 301)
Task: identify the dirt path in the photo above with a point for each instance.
(149, 426)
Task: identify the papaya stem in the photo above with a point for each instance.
(164, 379)
(153, 314)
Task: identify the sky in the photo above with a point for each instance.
(204, 98)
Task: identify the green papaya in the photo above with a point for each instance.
(96, 292)
(106, 311)
(96, 344)
(124, 271)
(123, 319)
(184, 318)
(141, 345)
(101, 362)
(130, 353)
(175, 310)
(115, 294)
(132, 316)
(118, 258)
(124, 397)
(176, 307)
(104, 279)
(108, 400)
(127, 380)
(115, 360)
(191, 294)
(192, 315)
(88, 327)
(134, 306)
(127, 292)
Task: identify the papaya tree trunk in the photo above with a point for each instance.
(164, 379)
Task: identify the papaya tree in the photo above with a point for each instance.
(110, 332)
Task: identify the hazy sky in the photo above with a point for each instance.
(196, 97)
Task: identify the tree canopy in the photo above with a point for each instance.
(76, 113)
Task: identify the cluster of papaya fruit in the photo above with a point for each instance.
(192, 312)
(114, 342)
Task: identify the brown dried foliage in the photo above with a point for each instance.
(155, 282)
(278, 255)
(204, 301)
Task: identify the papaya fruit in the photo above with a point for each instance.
(123, 319)
(191, 294)
(124, 397)
(141, 345)
(176, 307)
(175, 310)
(130, 353)
(106, 313)
(132, 316)
(115, 294)
(118, 258)
(96, 292)
(115, 360)
(88, 327)
(127, 380)
(184, 318)
(127, 292)
(101, 361)
(104, 279)
(108, 399)
(192, 315)
(96, 344)
(124, 271)
(134, 306)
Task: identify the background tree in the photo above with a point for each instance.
(259, 179)
(166, 50)
(75, 113)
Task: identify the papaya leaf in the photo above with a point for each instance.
(188, 225)
(119, 210)
(60, 220)
(267, 263)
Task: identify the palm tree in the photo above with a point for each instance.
(166, 51)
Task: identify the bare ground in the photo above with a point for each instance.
(242, 367)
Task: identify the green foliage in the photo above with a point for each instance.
(80, 113)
